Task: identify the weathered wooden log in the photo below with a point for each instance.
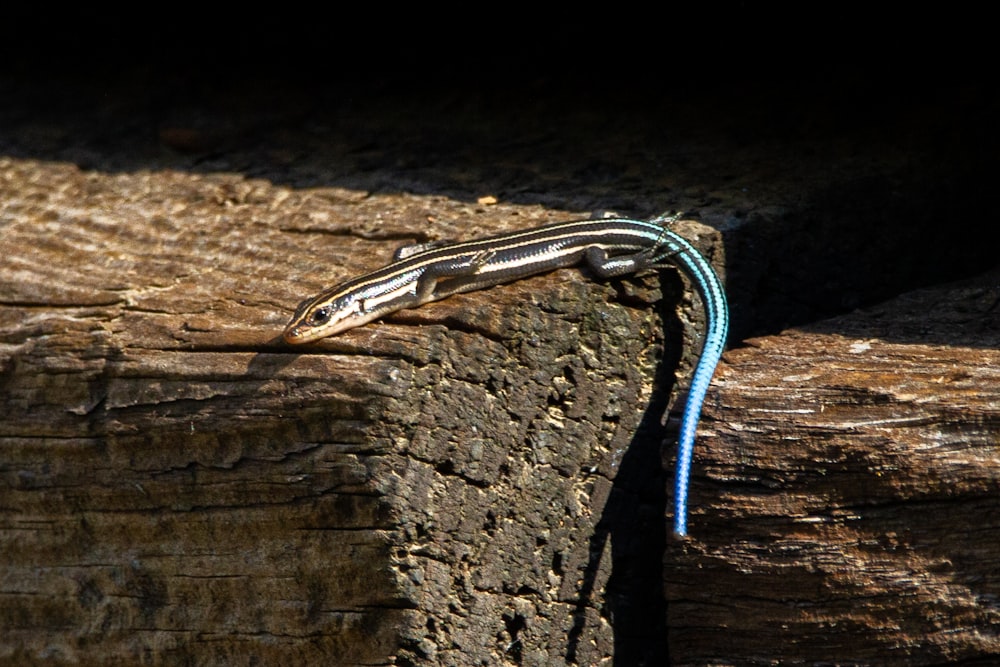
(455, 485)
(471, 481)
(847, 493)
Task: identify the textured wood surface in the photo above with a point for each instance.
(481, 479)
(847, 500)
(178, 483)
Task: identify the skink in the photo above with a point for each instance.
(608, 247)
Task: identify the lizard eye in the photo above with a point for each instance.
(320, 316)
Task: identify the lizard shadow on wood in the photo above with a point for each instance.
(633, 521)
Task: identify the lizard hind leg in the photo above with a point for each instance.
(597, 260)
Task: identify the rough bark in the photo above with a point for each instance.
(848, 491)
(179, 486)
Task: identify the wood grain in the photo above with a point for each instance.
(179, 486)
(849, 488)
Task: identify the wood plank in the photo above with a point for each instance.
(847, 492)
(179, 485)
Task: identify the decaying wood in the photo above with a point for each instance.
(847, 493)
(179, 486)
